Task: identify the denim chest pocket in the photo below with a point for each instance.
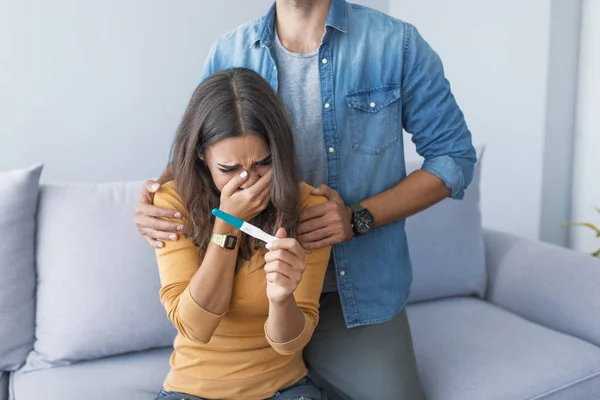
(374, 118)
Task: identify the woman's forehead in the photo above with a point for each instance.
(244, 149)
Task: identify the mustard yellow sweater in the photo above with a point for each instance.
(230, 356)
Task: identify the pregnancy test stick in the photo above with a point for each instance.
(244, 226)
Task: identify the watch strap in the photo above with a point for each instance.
(228, 242)
(361, 221)
(356, 207)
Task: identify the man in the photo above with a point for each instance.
(353, 79)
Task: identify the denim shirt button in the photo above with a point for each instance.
(324, 61)
(342, 273)
(326, 105)
(372, 105)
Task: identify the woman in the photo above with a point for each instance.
(243, 312)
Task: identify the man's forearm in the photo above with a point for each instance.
(167, 175)
(419, 191)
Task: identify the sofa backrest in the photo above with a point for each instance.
(18, 203)
(446, 245)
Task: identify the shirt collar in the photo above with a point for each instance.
(337, 19)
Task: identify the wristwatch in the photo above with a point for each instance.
(362, 220)
(228, 242)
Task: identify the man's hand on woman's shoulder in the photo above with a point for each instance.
(149, 218)
(325, 224)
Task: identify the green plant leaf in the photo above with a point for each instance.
(586, 224)
(596, 253)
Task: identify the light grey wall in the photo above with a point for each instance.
(95, 89)
(514, 76)
(561, 104)
(381, 5)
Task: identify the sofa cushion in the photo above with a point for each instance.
(446, 245)
(18, 205)
(98, 284)
(133, 376)
(469, 349)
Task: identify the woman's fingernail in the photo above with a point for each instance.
(173, 237)
(155, 186)
(177, 215)
(268, 246)
(159, 245)
(244, 175)
(180, 228)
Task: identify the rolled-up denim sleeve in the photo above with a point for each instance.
(432, 116)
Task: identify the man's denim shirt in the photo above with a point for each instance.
(378, 76)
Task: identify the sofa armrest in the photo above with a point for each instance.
(547, 284)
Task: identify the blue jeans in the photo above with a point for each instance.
(304, 389)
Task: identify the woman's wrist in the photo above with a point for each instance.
(223, 228)
(289, 301)
(285, 321)
(240, 214)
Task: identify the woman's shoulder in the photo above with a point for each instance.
(309, 199)
(167, 196)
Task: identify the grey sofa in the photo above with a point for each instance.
(493, 316)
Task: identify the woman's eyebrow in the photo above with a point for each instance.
(264, 159)
(228, 166)
(238, 165)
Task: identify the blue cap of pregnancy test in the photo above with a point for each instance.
(230, 219)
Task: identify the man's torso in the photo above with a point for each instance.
(359, 68)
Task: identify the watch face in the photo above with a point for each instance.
(363, 222)
(230, 242)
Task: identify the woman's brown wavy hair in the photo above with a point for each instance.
(230, 104)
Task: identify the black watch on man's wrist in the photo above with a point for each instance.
(362, 220)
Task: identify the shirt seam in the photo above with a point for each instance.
(408, 32)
